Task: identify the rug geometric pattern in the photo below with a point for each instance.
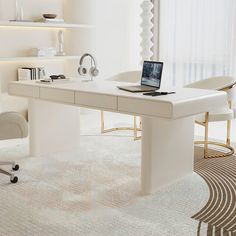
(220, 210)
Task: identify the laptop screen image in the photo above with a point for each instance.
(151, 75)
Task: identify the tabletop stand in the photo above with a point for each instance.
(53, 127)
(167, 151)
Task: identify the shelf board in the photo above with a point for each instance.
(38, 58)
(42, 24)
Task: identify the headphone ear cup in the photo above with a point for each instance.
(94, 71)
(82, 71)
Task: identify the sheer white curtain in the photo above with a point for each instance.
(196, 39)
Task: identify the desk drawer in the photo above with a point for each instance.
(145, 107)
(57, 95)
(99, 101)
(23, 90)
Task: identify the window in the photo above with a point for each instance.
(197, 39)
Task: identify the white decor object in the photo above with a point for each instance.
(147, 30)
(60, 37)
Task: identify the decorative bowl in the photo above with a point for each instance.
(49, 16)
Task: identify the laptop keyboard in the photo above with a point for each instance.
(143, 87)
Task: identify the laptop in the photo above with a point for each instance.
(151, 78)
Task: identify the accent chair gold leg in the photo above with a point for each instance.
(140, 123)
(206, 135)
(206, 142)
(228, 127)
(102, 122)
(228, 132)
(135, 128)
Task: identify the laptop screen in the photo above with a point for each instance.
(151, 75)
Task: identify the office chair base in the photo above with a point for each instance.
(216, 155)
(15, 167)
(14, 179)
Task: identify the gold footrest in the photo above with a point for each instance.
(216, 155)
(122, 129)
(138, 137)
(118, 129)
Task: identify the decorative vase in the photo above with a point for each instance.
(17, 10)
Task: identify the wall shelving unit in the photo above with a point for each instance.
(15, 59)
(17, 38)
(43, 25)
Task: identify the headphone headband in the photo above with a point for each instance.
(87, 55)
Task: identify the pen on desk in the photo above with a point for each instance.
(156, 93)
(171, 92)
(161, 93)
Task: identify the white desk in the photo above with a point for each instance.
(168, 121)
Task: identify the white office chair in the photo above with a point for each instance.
(129, 77)
(13, 125)
(221, 83)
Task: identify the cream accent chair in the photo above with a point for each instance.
(221, 83)
(13, 125)
(129, 77)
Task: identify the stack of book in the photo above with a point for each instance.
(31, 73)
(43, 52)
(56, 20)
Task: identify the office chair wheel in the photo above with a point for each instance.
(15, 167)
(14, 179)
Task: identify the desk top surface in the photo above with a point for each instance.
(105, 95)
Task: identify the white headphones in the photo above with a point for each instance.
(92, 71)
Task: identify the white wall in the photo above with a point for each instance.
(115, 41)
(118, 36)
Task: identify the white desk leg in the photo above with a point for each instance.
(167, 151)
(53, 127)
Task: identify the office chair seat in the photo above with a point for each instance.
(220, 115)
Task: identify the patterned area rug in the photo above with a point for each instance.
(219, 213)
(95, 191)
